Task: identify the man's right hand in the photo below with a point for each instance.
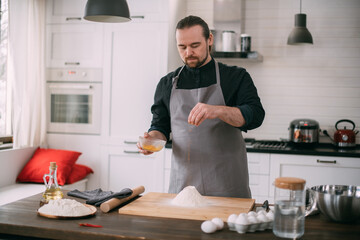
(141, 150)
(152, 134)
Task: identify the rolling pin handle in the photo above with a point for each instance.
(114, 202)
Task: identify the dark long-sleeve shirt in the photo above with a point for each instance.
(236, 84)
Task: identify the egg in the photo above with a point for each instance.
(243, 214)
(218, 222)
(252, 220)
(270, 215)
(262, 218)
(261, 212)
(242, 219)
(208, 227)
(232, 218)
(252, 214)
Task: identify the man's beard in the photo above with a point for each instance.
(198, 63)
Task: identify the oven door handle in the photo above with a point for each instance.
(66, 86)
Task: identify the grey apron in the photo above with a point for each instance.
(212, 157)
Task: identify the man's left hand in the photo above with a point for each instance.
(202, 111)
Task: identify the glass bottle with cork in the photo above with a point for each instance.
(53, 190)
(289, 219)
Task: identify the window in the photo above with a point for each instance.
(5, 113)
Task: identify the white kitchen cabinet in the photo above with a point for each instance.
(316, 170)
(65, 11)
(148, 10)
(73, 11)
(167, 169)
(138, 60)
(259, 174)
(124, 167)
(74, 45)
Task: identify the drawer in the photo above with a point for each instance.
(259, 163)
(259, 185)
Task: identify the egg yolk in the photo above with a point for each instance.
(151, 148)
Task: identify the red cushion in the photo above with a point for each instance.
(39, 165)
(78, 172)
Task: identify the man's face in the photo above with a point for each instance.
(192, 46)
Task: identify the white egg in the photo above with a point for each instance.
(218, 222)
(252, 220)
(262, 218)
(242, 219)
(232, 218)
(208, 227)
(270, 215)
(252, 214)
(261, 212)
(243, 214)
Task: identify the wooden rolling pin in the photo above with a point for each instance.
(114, 202)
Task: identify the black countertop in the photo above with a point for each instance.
(320, 149)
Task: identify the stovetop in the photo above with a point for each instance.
(266, 144)
(286, 147)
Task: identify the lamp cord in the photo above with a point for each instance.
(300, 5)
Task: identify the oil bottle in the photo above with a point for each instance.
(53, 190)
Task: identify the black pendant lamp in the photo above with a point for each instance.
(300, 34)
(109, 11)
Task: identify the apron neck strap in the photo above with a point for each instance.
(217, 72)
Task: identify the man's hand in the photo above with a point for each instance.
(152, 134)
(202, 111)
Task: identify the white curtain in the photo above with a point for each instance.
(26, 71)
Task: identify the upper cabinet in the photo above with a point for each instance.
(74, 45)
(72, 11)
(65, 11)
(149, 11)
(72, 41)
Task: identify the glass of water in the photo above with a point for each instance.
(289, 219)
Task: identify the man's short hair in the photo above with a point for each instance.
(191, 21)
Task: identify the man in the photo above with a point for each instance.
(205, 105)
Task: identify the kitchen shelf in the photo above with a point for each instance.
(243, 56)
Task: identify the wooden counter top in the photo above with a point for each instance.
(20, 219)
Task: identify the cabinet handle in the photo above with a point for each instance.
(72, 63)
(142, 17)
(325, 161)
(73, 18)
(129, 142)
(132, 152)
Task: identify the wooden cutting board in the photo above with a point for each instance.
(155, 204)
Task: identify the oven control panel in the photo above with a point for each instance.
(73, 75)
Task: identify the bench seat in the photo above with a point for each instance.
(18, 191)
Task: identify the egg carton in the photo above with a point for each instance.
(251, 222)
(242, 228)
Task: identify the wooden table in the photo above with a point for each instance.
(20, 219)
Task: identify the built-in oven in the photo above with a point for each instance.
(74, 101)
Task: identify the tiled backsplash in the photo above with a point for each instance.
(320, 81)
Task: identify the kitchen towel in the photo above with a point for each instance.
(98, 196)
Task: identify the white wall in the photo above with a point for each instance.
(319, 81)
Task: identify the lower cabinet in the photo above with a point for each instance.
(124, 167)
(259, 170)
(316, 170)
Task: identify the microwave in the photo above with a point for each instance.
(74, 99)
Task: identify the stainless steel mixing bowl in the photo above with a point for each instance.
(340, 203)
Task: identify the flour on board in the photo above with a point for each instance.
(189, 197)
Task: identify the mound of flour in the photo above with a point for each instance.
(65, 208)
(189, 197)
